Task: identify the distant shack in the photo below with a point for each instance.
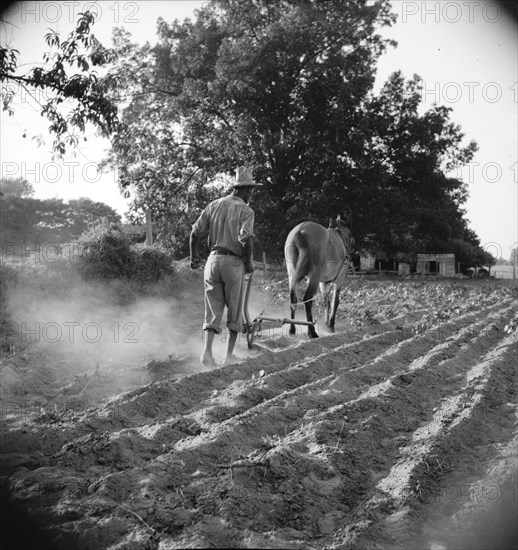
(504, 271)
(436, 264)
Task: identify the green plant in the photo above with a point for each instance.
(104, 254)
(108, 254)
(150, 263)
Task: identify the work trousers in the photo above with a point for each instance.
(224, 285)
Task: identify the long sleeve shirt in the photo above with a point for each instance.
(229, 222)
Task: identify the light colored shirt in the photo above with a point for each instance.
(229, 221)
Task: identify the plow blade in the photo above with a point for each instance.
(250, 328)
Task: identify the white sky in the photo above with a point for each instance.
(465, 51)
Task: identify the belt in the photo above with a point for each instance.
(224, 252)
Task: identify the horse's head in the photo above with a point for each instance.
(343, 230)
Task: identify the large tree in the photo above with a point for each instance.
(273, 84)
(404, 201)
(287, 86)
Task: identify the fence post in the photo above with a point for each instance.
(264, 265)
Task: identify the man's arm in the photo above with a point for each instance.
(248, 253)
(194, 242)
(246, 238)
(200, 227)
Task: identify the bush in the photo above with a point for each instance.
(107, 254)
(104, 254)
(150, 263)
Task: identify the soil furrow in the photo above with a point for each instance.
(320, 370)
(341, 442)
(430, 454)
(337, 450)
(330, 462)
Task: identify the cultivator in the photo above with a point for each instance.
(252, 328)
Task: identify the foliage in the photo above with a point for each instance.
(82, 213)
(288, 88)
(85, 92)
(469, 253)
(24, 219)
(416, 207)
(106, 253)
(150, 263)
(15, 187)
(269, 84)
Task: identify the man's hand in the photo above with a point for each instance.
(195, 263)
(249, 267)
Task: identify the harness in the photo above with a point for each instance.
(347, 257)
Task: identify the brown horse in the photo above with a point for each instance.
(322, 255)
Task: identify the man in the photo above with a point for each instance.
(229, 222)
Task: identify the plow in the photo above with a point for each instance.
(253, 328)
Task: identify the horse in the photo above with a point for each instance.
(322, 255)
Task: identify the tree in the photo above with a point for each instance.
(272, 84)
(24, 219)
(412, 206)
(287, 87)
(16, 187)
(83, 213)
(18, 219)
(84, 91)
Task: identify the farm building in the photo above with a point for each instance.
(436, 264)
(367, 262)
(504, 271)
(370, 264)
(404, 268)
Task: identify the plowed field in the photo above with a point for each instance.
(397, 431)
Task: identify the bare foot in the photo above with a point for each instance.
(208, 361)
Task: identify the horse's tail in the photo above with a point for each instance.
(297, 258)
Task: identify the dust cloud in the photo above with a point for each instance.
(75, 328)
(86, 328)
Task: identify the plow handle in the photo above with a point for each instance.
(246, 315)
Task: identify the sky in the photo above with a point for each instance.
(466, 52)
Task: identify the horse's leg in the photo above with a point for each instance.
(308, 299)
(324, 289)
(336, 301)
(293, 306)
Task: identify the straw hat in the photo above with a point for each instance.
(244, 178)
